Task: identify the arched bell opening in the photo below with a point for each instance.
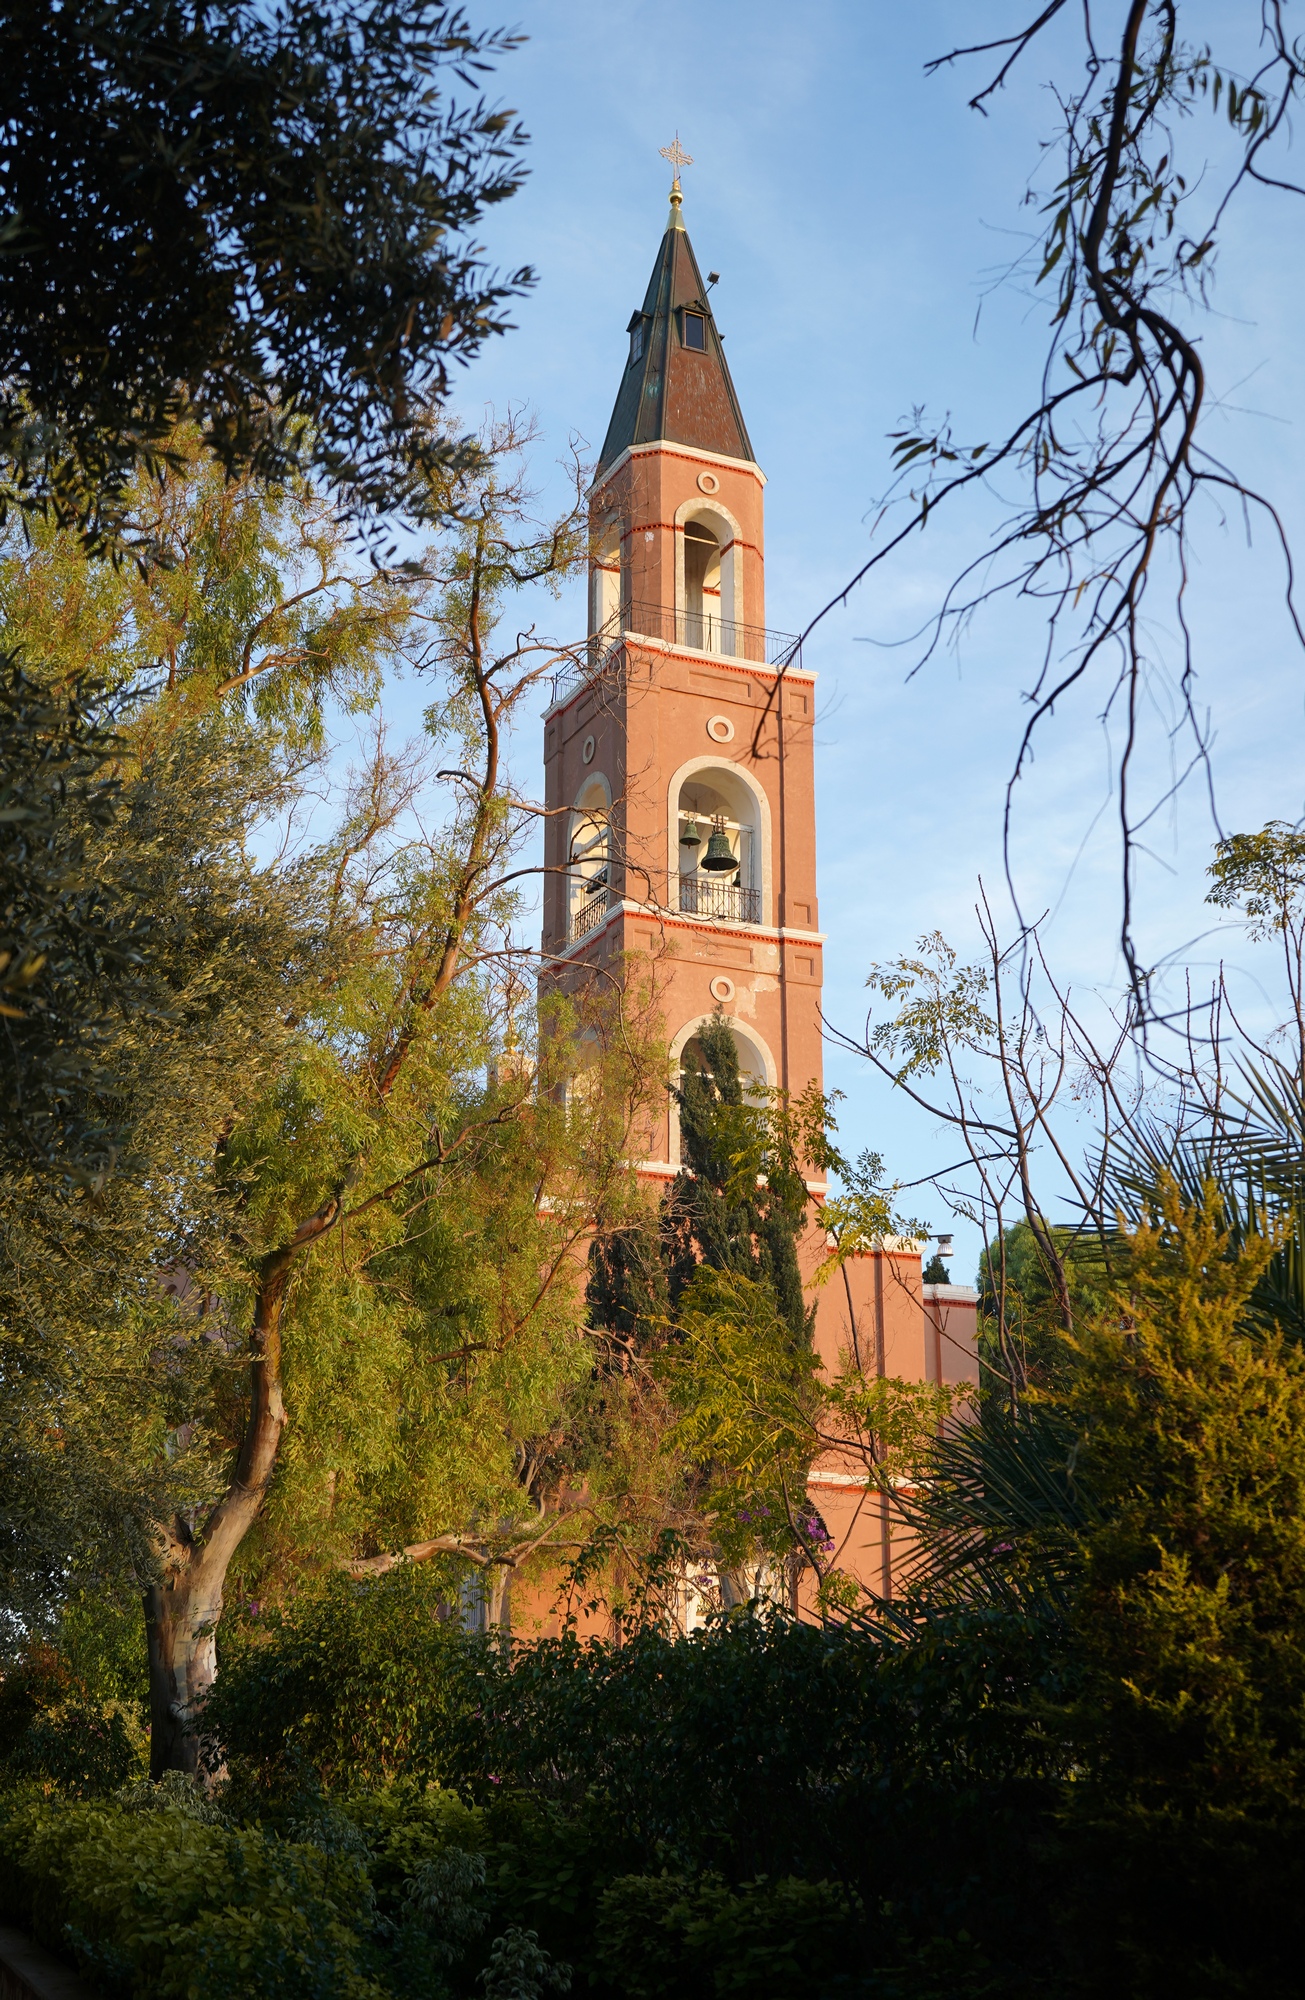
(702, 620)
(752, 1063)
(719, 851)
(605, 578)
(709, 582)
(589, 860)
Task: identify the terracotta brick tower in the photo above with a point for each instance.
(684, 754)
(680, 781)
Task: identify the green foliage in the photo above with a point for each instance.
(628, 1292)
(98, 1271)
(1192, 1611)
(1013, 1276)
(375, 1677)
(744, 1397)
(162, 1903)
(54, 1731)
(863, 1212)
(71, 937)
(519, 1970)
(939, 1801)
(660, 1937)
(707, 1398)
(1262, 874)
(248, 219)
(232, 1076)
(740, 1201)
(940, 1007)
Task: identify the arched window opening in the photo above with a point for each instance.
(755, 1072)
(605, 580)
(589, 870)
(752, 1064)
(702, 588)
(719, 848)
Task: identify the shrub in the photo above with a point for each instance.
(52, 1730)
(365, 1682)
(661, 1937)
(159, 1902)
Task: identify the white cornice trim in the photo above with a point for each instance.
(731, 662)
(728, 663)
(671, 920)
(691, 451)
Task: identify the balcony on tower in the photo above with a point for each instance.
(699, 629)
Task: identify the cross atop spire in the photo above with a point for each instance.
(676, 154)
(678, 158)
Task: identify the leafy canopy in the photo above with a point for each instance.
(251, 218)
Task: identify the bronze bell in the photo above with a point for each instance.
(691, 836)
(719, 859)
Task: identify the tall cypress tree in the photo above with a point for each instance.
(738, 1203)
(739, 1200)
(627, 1294)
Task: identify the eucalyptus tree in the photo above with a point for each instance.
(341, 1300)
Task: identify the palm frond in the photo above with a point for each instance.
(999, 1500)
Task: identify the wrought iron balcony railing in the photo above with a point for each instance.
(704, 632)
(586, 917)
(707, 632)
(701, 898)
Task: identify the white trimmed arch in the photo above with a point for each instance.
(737, 775)
(711, 513)
(756, 1063)
(588, 843)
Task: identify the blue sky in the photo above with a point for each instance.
(860, 216)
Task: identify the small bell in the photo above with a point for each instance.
(596, 882)
(719, 860)
(691, 836)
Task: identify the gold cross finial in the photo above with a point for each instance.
(678, 158)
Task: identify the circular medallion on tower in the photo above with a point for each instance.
(720, 729)
(588, 747)
(722, 989)
(708, 483)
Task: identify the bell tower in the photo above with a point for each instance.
(678, 760)
(679, 777)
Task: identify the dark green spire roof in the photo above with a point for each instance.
(670, 389)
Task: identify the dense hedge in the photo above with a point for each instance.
(766, 1811)
(934, 1785)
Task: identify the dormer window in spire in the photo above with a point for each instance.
(636, 341)
(695, 331)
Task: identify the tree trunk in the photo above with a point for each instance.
(181, 1617)
(182, 1610)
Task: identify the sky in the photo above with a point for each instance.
(861, 217)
